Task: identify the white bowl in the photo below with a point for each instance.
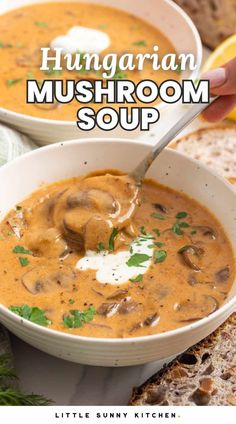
(63, 160)
(169, 18)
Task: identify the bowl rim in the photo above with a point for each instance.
(228, 306)
(193, 75)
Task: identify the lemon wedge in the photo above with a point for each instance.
(222, 54)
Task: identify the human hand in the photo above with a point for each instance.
(222, 83)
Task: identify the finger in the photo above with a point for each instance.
(223, 79)
(220, 108)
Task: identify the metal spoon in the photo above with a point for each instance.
(138, 174)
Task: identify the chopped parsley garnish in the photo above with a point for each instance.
(157, 215)
(18, 45)
(41, 24)
(52, 71)
(137, 279)
(119, 74)
(102, 26)
(11, 82)
(181, 215)
(143, 231)
(21, 249)
(137, 259)
(30, 75)
(178, 70)
(157, 232)
(23, 261)
(78, 318)
(100, 247)
(34, 314)
(193, 232)
(159, 256)
(4, 45)
(141, 43)
(183, 224)
(112, 238)
(71, 301)
(158, 243)
(177, 229)
(18, 207)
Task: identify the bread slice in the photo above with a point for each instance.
(203, 375)
(214, 146)
(215, 19)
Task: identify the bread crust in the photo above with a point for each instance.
(215, 146)
(205, 374)
(215, 19)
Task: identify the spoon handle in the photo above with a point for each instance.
(139, 172)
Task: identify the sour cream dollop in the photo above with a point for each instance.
(112, 268)
(82, 39)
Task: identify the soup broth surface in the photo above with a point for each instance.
(180, 259)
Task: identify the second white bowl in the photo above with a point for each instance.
(165, 15)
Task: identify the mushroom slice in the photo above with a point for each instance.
(41, 280)
(150, 321)
(78, 199)
(127, 306)
(206, 231)
(131, 230)
(73, 238)
(222, 275)
(108, 309)
(49, 207)
(190, 254)
(160, 207)
(118, 294)
(191, 310)
(192, 280)
(15, 227)
(97, 292)
(84, 231)
(97, 230)
(99, 200)
(160, 291)
(48, 242)
(31, 59)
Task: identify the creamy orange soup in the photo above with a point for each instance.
(191, 262)
(25, 30)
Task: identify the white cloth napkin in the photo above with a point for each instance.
(13, 144)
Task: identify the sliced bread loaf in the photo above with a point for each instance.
(214, 146)
(215, 19)
(204, 375)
